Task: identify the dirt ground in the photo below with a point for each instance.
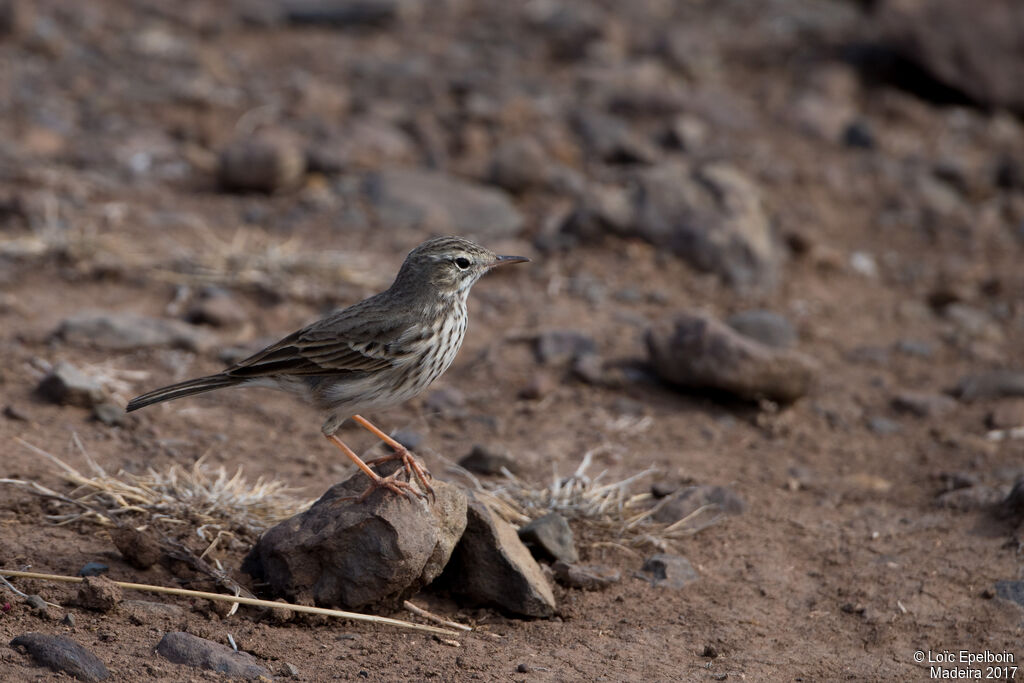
(869, 532)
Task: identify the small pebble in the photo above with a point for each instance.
(93, 569)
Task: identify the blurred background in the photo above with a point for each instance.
(827, 195)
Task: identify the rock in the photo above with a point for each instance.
(602, 209)
(123, 331)
(859, 135)
(669, 571)
(568, 28)
(521, 164)
(69, 620)
(267, 162)
(63, 655)
(712, 216)
(694, 350)
(488, 460)
(185, 648)
(93, 569)
(976, 54)
(447, 402)
(970, 498)
(1013, 504)
(139, 549)
(916, 348)
(351, 555)
(882, 426)
(683, 503)
(611, 139)
(991, 384)
(148, 612)
(590, 368)
(923, 404)
(586, 577)
(562, 346)
(16, 17)
(549, 537)
(491, 565)
(437, 202)
(767, 327)
(16, 413)
(344, 13)
(217, 309)
(40, 608)
(1012, 591)
(110, 414)
(1007, 415)
(99, 593)
(540, 385)
(67, 385)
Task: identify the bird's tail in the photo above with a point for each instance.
(186, 388)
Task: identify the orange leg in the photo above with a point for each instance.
(401, 453)
(376, 481)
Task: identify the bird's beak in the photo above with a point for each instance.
(505, 260)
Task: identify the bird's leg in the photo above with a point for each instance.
(400, 453)
(376, 481)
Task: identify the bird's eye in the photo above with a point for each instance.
(462, 263)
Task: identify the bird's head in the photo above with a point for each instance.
(449, 265)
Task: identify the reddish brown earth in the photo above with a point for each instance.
(850, 555)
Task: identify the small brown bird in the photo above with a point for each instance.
(377, 353)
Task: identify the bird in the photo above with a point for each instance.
(375, 354)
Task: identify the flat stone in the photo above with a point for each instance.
(62, 654)
(93, 569)
(991, 384)
(124, 331)
(549, 537)
(561, 346)
(437, 202)
(347, 554)
(190, 650)
(1006, 415)
(586, 577)
(491, 565)
(669, 571)
(767, 327)
(67, 385)
(685, 502)
(488, 460)
(923, 404)
(696, 351)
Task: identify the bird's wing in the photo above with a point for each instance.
(346, 342)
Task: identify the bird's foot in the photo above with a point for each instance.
(410, 465)
(388, 483)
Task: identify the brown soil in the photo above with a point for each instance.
(847, 559)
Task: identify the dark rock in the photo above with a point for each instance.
(15, 413)
(138, 548)
(991, 384)
(67, 385)
(923, 404)
(602, 209)
(1012, 591)
(541, 384)
(549, 537)
(882, 426)
(110, 414)
(217, 309)
(409, 438)
(437, 202)
(63, 655)
(586, 577)
(977, 55)
(978, 497)
(913, 347)
(69, 620)
(185, 648)
(612, 139)
(681, 504)
(342, 553)
(1013, 504)
(858, 134)
(568, 28)
(344, 13)
(93, 569)
(447, 402)
(488, 460)
(1007, 415)
(267, 162)
(16, 17)
(521, 164)
(99, 593)
(767, 327)
(694, 350)
(561, 346)
(590, 368)
(491, 565)
(669, 571)
(122, 331)
(711, 215)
